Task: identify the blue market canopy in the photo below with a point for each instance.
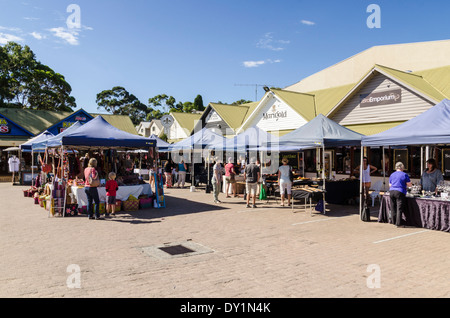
(26, 147)
(252, 138)
(319, 132)
(430, 127)
(204, 138)
(99, 133)
(160, 144)
(54, 141)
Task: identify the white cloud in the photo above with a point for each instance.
(250, 64)
(307, 22)
(269, 43)
(11, 29)
(37, 35)
(70, 36)
(5, 38)
(253, 63)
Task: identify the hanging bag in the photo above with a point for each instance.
(291, 174)
(46, 168)
(262, 193)
(94, 182)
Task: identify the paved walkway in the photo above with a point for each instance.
(265, 252)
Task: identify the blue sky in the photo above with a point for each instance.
(188, 47)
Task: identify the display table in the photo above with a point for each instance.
(122, 194)
(340, 191)
(429, 213)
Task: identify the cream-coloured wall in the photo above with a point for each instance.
(406, 57)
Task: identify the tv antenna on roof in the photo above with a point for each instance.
(266, 88)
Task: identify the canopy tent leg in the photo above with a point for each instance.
(384, 172)
(421, 160)
(361, 184)
(62, 180)
(323, 177)
(32, 166)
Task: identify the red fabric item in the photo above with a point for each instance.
(111, 188)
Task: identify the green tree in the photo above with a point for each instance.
(27, 83)
(240, 102)
(198, 103)
(119, 101)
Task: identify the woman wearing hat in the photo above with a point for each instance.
(284, 180)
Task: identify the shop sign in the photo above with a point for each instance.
(381, 98)
(274, 114)
(4, 126)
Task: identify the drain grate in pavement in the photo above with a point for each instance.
(176, 250)
(171, 250)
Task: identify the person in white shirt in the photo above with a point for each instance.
(284, 180)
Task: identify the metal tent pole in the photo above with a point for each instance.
(360, 183)
(384, 172)
(323, 177)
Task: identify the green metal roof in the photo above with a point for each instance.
(233, 115)
(416, 81)
(302, 103)
(35, 121)
(121, 122)
(326, 99)
(439, 78)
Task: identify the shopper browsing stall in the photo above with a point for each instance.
(284, 181)
(217, 180)
(398, 183)
(230, 178)
(92, 181)
(252, 175)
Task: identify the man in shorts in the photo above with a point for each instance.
(251, 176)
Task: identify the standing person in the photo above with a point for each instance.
(251, 176)
(230, 175)
(431, 177)
(365, 177)
(111, 192)
(181, 173)
(398, 181)
(91, 191)
(284, 181)
(168, 173)
(217, 180)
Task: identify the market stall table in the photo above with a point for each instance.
(122, 194)
(340, 191)
(429, 213)
(308, 194)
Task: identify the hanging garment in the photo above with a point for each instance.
(14, 164)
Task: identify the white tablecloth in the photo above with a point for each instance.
(122, 194)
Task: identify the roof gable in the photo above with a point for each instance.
(411, 81)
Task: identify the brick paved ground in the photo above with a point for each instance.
(264, 252)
